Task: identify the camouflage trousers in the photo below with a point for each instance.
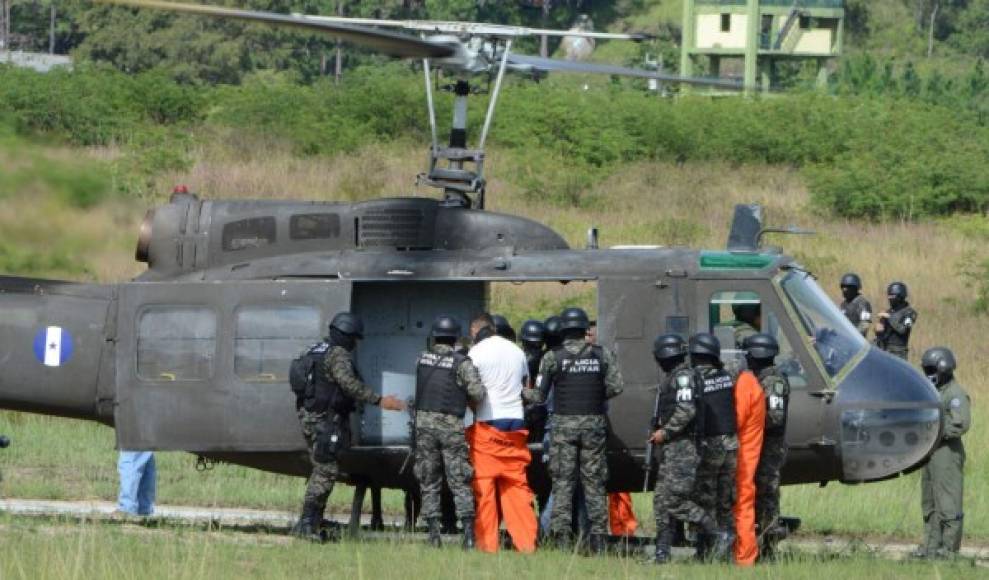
(578, 444)
(437, 448)
(767, 483)
(675, 477)
(715, 487)
(324, 473)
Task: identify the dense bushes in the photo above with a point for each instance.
(872, 156)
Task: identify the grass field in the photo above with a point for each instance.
(39, 549)
(644, 203)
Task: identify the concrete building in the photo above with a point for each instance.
(761, 33)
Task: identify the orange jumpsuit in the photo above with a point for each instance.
(499, 460)
(621, 515)
(750, 415)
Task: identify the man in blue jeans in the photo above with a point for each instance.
(137, 482)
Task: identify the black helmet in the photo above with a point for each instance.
(503, 328)
(851, 280)
(897, 290)
(445, 327)
(667, 346)
(533, 331)
(704, 343)
(574, 319)
(938, 360)
(348, 323)
(761, 347)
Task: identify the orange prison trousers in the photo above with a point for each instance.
(500, 459)
(621, 515)
(750, 415)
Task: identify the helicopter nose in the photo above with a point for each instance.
(889, 418)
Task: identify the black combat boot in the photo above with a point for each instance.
(707, 533)
(664, 550)
(309, 523)
(469, 540)
(597, 544)
(434, 532)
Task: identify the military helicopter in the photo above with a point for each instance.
(193, 354)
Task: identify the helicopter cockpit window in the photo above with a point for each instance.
(269, 337)
(736, 315)
(176, 343)
(248, 233)
(833, 336)
(314, 226)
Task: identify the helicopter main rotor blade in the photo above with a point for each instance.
(386, 42)
(476, 28)
(551, 64)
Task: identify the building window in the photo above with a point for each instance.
(248, 234)
(726, 23)
(176, 343)
(314, 226)
(269, 337)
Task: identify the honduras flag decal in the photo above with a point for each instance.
(53, 346)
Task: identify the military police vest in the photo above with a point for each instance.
(436, 384)
(578, 382)
(777, 390)
(717, 401)
(677, 388)
(319, 392)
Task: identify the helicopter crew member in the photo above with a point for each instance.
(675, 432)
(760, 353)
(855, 306)
(715, 487)
(335, 386)
(582, 377)
(446, 382)
(503, 327)
(894, 325)
(750, 417)
(498, 441)
(748, 321)
(943, 477)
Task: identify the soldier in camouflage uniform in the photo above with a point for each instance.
(760, 355)
(855, 306)
(582, 377)
(748, 319)
(446, 382)
(324, 416)
(674, 431)
(715, 487)
(894, 325)
(942, 481)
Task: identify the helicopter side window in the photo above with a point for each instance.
(248, 233)
(314, 226)
(737, 315)
(176, 343)
(269, 337)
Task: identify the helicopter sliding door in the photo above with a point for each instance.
(203, 366)
(397, 319)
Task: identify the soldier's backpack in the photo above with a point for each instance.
(310, 385)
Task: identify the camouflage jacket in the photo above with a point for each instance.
(776, 387)
(681, 382)
(340, 369)
(858, 311)
(612, 379)
(468, 379)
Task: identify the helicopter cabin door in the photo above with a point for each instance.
(734, 308)
(203, 366)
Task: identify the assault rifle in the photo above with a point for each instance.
(651, 449)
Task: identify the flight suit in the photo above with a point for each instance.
(715, 487)
(776, 389)
(895, 335)
(676, 471)
(858, 311)
(445, 381)
(582, 377)
(339, 368)
(942, 479)
(750, 417)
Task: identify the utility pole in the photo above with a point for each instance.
(338, 64)
(4, 23)
(51, 29)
